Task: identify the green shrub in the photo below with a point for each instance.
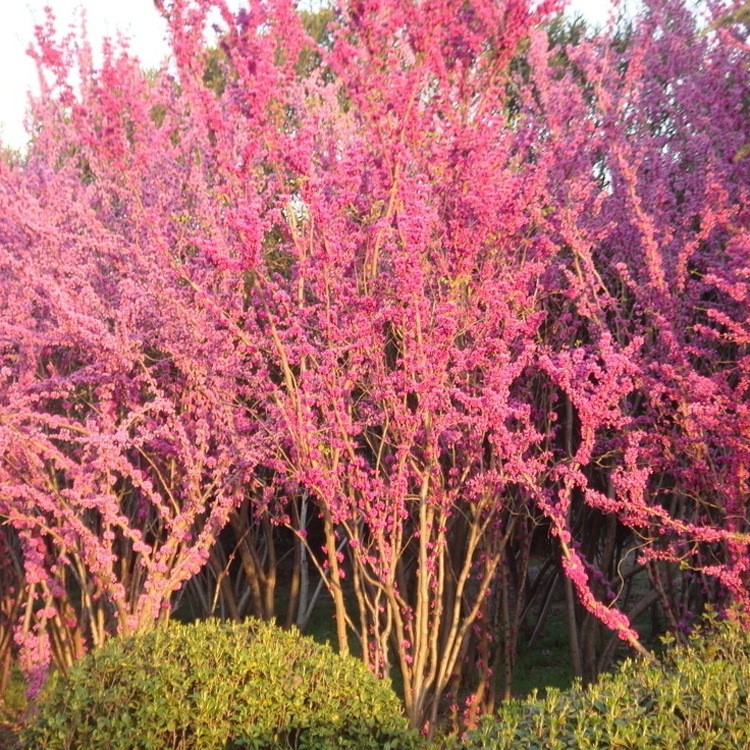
(217, 686)
(695, 697)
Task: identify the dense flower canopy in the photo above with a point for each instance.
(467, 281)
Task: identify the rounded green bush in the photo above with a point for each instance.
(696, 697)
(217, 686)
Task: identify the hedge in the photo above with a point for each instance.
(216, 685)
(695, 696)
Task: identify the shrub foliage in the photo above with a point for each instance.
(215, 685)
(695, 697)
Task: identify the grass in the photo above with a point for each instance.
(547, 664)
(12, 709)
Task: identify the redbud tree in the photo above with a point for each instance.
(451, 283)
(127, 427)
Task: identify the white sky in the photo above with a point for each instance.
(136, 19)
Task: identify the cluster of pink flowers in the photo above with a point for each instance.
(461, 280)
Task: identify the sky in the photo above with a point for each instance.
(135, 19)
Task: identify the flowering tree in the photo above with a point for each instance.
(125, 417)
(659, 266)
(446, 283)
